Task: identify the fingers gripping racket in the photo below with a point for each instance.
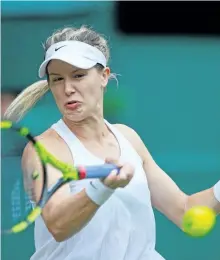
(19, 197)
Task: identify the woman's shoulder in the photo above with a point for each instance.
(52, 142)
(131, 135)
(48, 138)
(47, 135)
(127, 131)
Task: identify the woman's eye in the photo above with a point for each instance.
(78, 76)
(57, 79)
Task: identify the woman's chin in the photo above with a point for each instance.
(74, 117)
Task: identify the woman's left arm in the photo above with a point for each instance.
(166, 196)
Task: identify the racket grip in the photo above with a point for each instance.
(99, 171)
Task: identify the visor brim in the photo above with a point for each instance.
(76, 61)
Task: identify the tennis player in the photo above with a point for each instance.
(110, 219)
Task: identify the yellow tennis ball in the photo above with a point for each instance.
(198, 221)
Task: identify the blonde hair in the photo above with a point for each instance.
(33, 93)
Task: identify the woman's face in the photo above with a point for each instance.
(78, 93)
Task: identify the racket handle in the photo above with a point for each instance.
(99, 171)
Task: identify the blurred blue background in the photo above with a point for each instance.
(168, 92)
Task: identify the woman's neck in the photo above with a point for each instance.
(93, 128)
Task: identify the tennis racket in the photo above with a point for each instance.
(20, 207)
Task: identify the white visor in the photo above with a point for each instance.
(78, 54)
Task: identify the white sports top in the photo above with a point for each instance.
(123, 228)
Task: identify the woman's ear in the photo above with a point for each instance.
(105, 76)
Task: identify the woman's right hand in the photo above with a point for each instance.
(118, 179)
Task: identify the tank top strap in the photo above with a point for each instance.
(79, 152)
(77, 149)
(64, 132)
(127, 149)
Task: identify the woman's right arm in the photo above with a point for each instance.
(65, 214)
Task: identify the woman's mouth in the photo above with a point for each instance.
(72, 105)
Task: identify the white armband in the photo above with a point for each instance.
(98, 192)
(217, 191)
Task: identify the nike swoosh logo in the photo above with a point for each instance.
(59, 48)
(92, 185)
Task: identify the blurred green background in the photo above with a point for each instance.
(168, 92)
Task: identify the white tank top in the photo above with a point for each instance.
(123, 228)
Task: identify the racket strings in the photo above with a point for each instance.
(20, 200)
